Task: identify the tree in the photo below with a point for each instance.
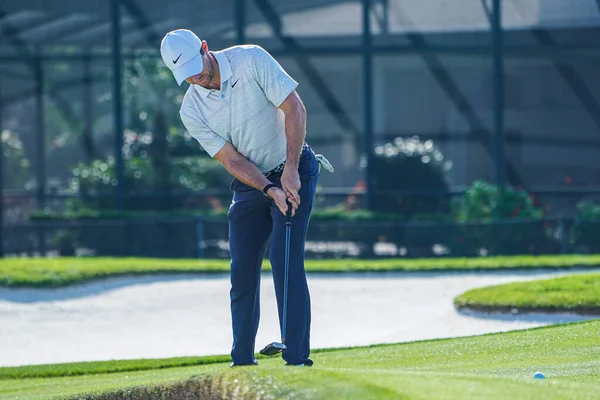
(15, 167)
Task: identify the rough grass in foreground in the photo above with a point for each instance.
(55, 272)
(215, 387)
(576, 294)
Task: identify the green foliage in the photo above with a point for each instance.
(54, 272)
(576, 293)
(15, 167)
(490, 216)
(159, 158)
(96, 181)
(153, 100)
(588, 210)
(585, 232)
(409, 164)
(484, 202)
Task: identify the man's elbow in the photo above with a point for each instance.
(302, 109)
(294, 107)
(299, 109)
(227, 156)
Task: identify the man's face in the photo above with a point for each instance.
(206, 77)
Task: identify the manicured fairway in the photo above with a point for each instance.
(493, 366)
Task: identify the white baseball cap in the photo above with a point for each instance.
(180, 51)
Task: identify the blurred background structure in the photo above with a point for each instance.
(457, 127)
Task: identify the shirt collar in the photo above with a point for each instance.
(224, 69)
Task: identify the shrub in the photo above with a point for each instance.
(501, 220)
(585, 232)
(588, 210)
(409, 164)
(484, 202)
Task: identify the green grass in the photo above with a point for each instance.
(103, 367)
(480, 367)
(36, 272)
(577, 293)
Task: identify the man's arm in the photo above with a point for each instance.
(279, 88)
(295, 127)
(295, 132)
(238, 166)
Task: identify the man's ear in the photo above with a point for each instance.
(204, 48)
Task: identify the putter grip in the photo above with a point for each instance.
(288, 214)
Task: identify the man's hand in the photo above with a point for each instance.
(279, 197)
(290, 183)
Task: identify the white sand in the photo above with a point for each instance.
(166, 316)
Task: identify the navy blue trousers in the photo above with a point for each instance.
(254, 220)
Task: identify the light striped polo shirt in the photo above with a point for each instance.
(245, 111)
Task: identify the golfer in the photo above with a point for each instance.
(242, 108)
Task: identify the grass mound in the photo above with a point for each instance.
(55, 272)
(216, 387)
(487, 367)
(576, 293)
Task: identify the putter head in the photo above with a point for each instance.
(273, 348)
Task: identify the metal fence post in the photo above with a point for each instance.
(498, 67)
(40, 140)
(88, 105)
(1, 177)
(563, 236)
(200, 237)
(367, 98)
(117, 67)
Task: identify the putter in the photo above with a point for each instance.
(277, 347)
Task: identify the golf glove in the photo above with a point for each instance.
(324, 162)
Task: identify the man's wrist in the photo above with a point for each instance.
(291, 164)
(268, 187)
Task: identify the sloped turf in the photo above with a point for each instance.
(576, 293)
(496, 366)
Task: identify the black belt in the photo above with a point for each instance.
(278, 169)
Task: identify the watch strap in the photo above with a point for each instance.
(266, 188)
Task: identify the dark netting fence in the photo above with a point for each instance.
(208, 238)
(413, 100)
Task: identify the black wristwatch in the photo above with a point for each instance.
(266, 188)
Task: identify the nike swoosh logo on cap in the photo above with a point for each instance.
(177, 59)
